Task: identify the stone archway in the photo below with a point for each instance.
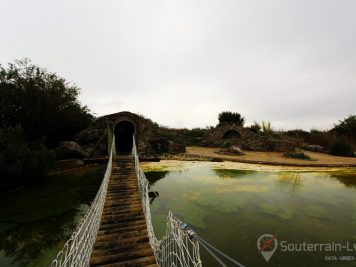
(231, 134)
(124, 132)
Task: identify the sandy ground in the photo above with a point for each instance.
(276, 158)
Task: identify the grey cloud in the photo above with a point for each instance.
(182, 62)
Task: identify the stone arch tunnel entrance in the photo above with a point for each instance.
(124, 131)
(231, 134)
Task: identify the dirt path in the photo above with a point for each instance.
(276, 158)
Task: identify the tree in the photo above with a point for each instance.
(228, 117)
(340, 147)
(21, 162)
(44, 104)
(347, 127)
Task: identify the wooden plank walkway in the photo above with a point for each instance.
(123, 238)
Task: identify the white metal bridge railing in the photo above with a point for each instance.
(176, 248)
(77, 250)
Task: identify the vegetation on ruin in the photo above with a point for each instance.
(228, 117)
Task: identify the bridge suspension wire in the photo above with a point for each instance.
(77, 250)
(177, 247)
(209, 247)
(206, 245)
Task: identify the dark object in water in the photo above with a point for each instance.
(153, 194)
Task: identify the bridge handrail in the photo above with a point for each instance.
(177, 247)
(77, 250)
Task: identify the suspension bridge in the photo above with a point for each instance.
(117, 230)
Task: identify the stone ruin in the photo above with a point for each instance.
(246, 139)
(94, 141)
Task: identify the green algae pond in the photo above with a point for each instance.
(231, 207)
(36, 220)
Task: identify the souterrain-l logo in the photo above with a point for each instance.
(267, 245)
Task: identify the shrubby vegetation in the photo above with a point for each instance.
(38, 109)
(297, 133)
(340, 140)
(346, 127)
(340, 147)
(44, 104)
(266, 127)
(184, 136)
(255, 127)
(226, 144)
(297, 155)
(228, 117)
(21, 162)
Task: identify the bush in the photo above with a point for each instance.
(321, 138)
(197, 132)
(226, 144)
(297, 133)
(44, 104)
(255, 127)
(228, 117)
(21, 162)
(297, 155)
(347, 127)
(267, 127)
(341, 147)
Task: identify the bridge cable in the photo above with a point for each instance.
(202, 241)
(206, 245)
(213, 255)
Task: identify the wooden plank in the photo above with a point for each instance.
(139, 262)
(123, 237)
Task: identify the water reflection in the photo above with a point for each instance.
(289, 182)
(348, 178)
(35, 221)
(28, 241)
(154, 176)
(152, 195)
(229, 173)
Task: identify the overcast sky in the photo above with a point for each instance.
(182, 62)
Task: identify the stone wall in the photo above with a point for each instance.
(150, 142)
(95, 140)
(248, 140)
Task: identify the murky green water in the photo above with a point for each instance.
(36, 220)
(231, 209)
